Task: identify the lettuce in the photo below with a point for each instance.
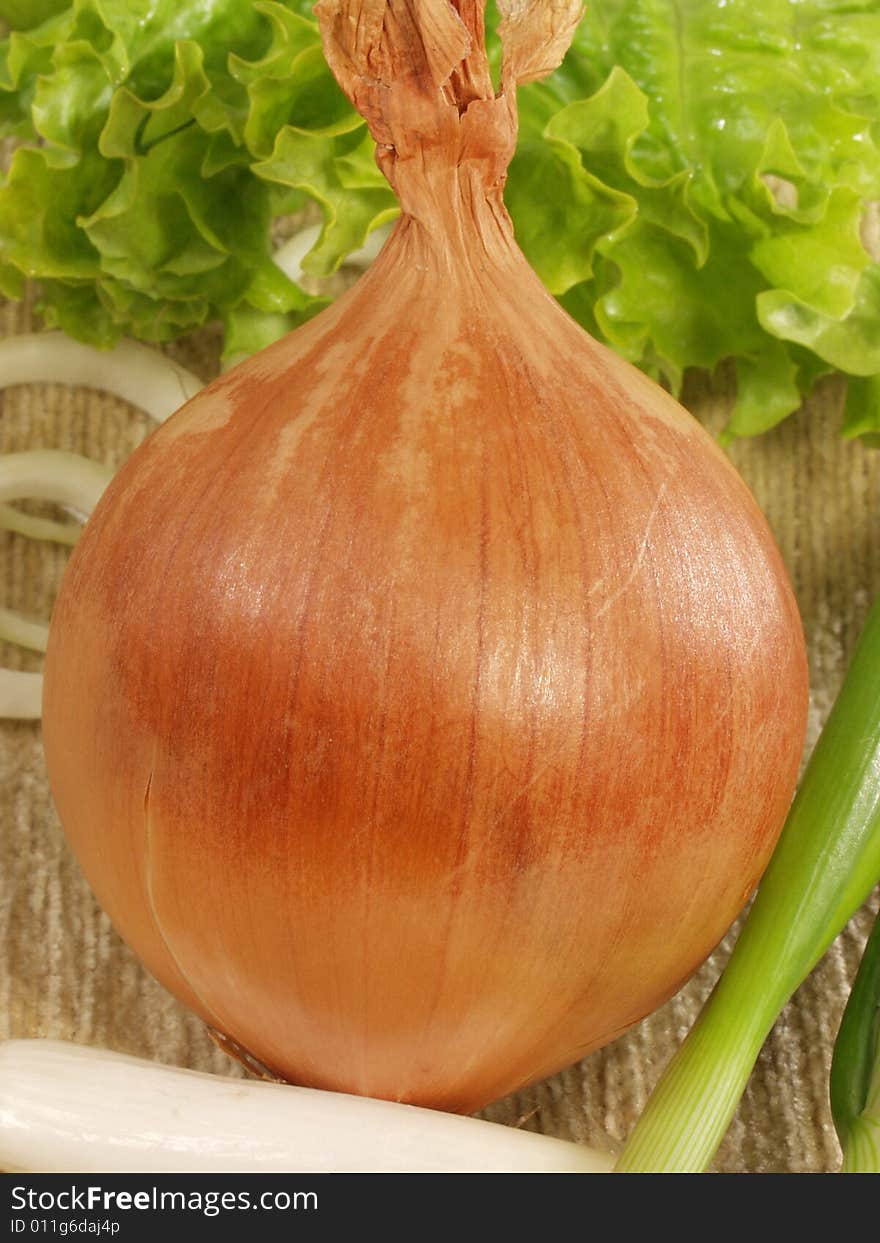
(171, 134)
(698, 182)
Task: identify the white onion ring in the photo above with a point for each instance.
(45, 475)
(290, 254)
(135, 372)
(21, 695)
(12, 519)
(25, 633)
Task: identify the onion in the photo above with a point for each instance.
(424, 699)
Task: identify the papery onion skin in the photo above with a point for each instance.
(424, 699)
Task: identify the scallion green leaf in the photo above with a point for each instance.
(855, 1068)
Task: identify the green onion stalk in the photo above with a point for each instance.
(855, 1068)
(825, 866)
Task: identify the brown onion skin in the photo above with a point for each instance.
(424, 699)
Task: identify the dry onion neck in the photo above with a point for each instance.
(444, 139)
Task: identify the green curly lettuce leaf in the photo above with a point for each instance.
(742, 143)
(172, 133)
(697, 182)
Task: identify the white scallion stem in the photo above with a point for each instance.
(135, 372)
(64, 1108)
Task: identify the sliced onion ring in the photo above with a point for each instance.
(290, 254)
(12, 519)
(20, 630)
(44, 475)
(21, 695)
(135, 372)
